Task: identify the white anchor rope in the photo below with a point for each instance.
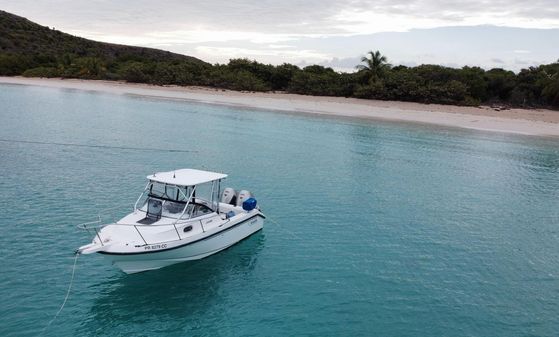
(65, 298)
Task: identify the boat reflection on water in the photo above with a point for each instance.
(174, 294)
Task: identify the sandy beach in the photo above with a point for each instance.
(537, 122)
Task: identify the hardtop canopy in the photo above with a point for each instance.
(186, 177)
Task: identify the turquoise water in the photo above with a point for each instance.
(379, 228)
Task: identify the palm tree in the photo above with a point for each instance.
(375, 65)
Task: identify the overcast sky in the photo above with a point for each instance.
(331, 32)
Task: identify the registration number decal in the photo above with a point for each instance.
(155, 247)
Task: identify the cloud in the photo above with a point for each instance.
(399, 15)
(342, 64)
(308, 30)
(288, 17)
(271, 55)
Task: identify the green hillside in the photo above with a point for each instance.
(21, 36)
(27, 46)
(32, 50)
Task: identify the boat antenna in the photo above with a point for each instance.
(174, 174)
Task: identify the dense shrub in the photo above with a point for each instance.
(42, 72)
(221, 76)
(134, 72)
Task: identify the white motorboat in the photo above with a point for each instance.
(180, 216)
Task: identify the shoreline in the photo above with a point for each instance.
(534, 122)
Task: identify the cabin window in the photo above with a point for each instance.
(169, 192)
(156, 189)
(207, 194)
(172, 207)
(200, 210)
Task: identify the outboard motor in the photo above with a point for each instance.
(229, 196)
(243, 195)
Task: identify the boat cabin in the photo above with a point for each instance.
(179, 195)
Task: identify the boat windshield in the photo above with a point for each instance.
(168, 208)
(169, 201)
(174, 209)
(169, 192)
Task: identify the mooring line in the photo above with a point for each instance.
(65, 298)
(96, 146)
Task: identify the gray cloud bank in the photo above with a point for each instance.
(267, 16)
(318, 31)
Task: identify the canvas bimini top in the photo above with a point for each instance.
(186, 177)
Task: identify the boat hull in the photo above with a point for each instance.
(135, 263)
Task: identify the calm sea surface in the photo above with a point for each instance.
(375, 229)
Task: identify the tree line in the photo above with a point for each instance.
(29, 49)
(373, 79)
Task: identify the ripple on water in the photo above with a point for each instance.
(373, 228)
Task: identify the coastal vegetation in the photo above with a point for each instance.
(32, 50)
